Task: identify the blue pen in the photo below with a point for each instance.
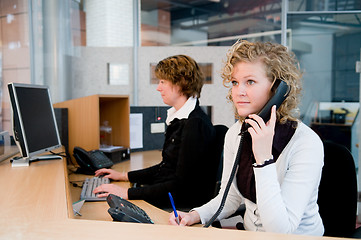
(173, 206)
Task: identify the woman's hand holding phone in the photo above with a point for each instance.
(262, 135)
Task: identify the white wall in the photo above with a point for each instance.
(89, 75)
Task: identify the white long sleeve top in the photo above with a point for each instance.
(286, 190)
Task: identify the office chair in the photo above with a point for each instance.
(220, 134)
(337, 196)
(217, 150)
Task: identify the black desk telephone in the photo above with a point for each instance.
(124, 211)
(91, 161)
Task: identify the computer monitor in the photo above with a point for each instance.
(34, 124)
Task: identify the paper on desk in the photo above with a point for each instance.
(136, 130)
(77, 206)
(110, 148)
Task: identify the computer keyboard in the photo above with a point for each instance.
(89, 185)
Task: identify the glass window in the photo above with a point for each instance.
(328, 46)
(324, 34)
(209, 23)
(324, 5)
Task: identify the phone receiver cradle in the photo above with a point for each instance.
(90, 161)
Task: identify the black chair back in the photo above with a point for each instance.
(220, 132)
(337, 197)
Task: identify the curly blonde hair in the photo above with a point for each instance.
(183, 71)
(279, 64)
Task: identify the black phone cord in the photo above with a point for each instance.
(228, 186)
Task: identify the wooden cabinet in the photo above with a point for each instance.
(86, 114)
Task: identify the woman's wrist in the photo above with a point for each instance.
(262, 159)
(125, 176)
(263, 163)
(195, 217)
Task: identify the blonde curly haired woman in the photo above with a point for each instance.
(281, 161)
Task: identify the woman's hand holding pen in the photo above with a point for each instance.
(186, 219)
(262, 135)
(112, 174)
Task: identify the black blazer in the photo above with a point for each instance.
(188, 169)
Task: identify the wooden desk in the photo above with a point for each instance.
(34, 204)
(99, 210)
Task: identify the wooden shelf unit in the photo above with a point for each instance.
(86, 114)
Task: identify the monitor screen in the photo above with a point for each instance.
(34, 124)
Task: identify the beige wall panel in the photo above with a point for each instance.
(15, 30)
(16, 58)
(15, 41)
(13, 6)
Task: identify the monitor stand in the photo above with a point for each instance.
(45, 157)
(24, 162)
(19, 162)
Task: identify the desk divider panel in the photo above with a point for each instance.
(158, 115)
(151, 114)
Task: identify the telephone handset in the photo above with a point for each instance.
(91, 161)
(281, 93)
